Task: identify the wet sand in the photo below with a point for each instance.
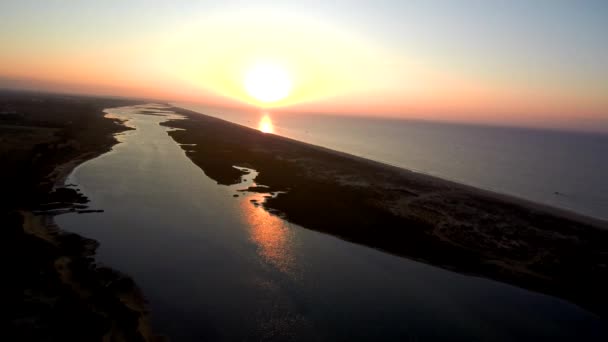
(409, 214)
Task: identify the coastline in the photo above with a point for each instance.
(561, 212)
(65, 294)
(520, 200)
(418, 216)
(128, 294)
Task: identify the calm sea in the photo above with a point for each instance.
(568, 170)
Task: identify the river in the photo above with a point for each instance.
(218, 267)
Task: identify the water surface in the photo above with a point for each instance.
(562, 169)
(218, 267)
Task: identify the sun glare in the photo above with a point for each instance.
(266, 124)
(267, 83)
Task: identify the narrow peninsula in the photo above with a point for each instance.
(417, 216)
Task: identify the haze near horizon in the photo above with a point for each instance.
(541, 64)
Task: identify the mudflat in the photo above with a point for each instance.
(417, 216)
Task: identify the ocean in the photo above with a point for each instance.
(567, 170)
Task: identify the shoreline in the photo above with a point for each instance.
(546, 208)
(520, 200)
(62, 172)
(130, 295)
(65, 294)
(414, 215)
(43, 225)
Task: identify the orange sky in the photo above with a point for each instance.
(197, 54)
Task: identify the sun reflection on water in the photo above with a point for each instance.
(265, 124)
(270, 233)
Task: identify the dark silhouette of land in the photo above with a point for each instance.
(409, 214)
(56, 292)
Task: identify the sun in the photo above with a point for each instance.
(267, 83)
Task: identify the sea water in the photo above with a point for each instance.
(568, 170)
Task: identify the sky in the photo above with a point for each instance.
(533, 63)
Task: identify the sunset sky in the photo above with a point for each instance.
(539, 63)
